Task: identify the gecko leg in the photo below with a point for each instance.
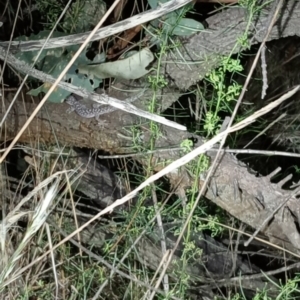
(101, 123)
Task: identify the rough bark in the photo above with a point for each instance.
(53, 124)
(201, 53)
(249, 198)
(233, 187)
(216, 262)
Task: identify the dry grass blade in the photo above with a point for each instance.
(173, 166)
(59, 78)
(38, 219)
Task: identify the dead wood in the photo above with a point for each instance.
(216, 262)
(249, 198)
(233, 186)
(202, 52)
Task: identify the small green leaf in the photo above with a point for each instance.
(153, 3)
(29, 56)
(57, 96)
(133, 67)
(54, 69)
(182, 27)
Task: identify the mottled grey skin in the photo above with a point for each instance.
(96, 111)
(85, 112)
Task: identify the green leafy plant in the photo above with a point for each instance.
(223, 94)
(172, 24)
(52, 62)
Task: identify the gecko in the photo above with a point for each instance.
(97, 110)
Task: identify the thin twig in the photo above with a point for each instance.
(227, 131)
(171, 167)
(60, 77)
(74, 39)
(35, 60)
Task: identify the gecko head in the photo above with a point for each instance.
(70, 100)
